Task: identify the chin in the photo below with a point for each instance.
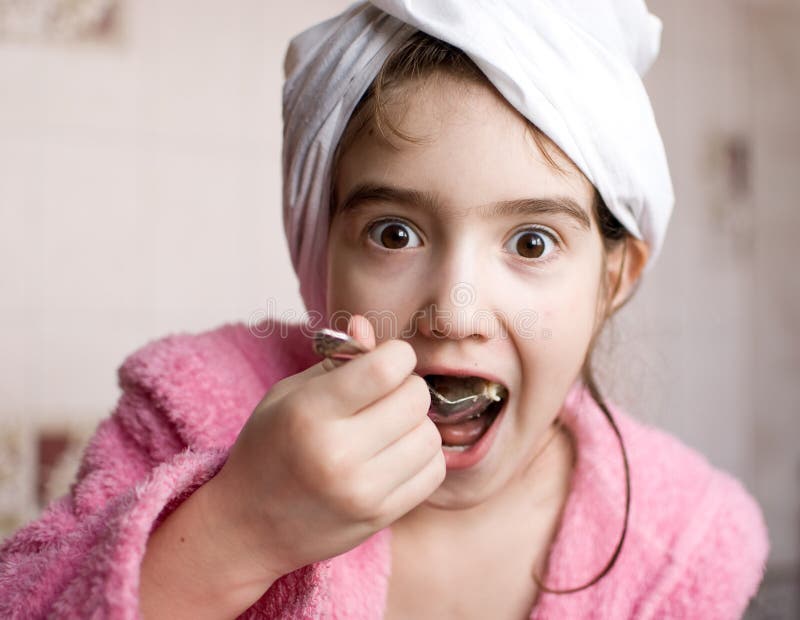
(445, 499)
(464, 489)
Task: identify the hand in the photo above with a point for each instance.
(329, 457)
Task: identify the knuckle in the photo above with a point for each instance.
(405, 355)
(432, 436)
(440, 469)
(300, 421)
(276, 393)
(413, 403)
(334, 464)
(362, 500)
(401, 353)
(384, 372)
(436, 469)
(420, 391)
(296, 403)
(281, 386)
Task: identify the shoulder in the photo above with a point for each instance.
(208, 382)
(704, 532)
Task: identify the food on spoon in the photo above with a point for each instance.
(462, 397)
(469, 406)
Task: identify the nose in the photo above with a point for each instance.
(458, 297)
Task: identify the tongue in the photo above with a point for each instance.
(464, 433)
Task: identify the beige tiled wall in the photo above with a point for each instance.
(139, 195)
(139, 192)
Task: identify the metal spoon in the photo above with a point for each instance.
(340, 347)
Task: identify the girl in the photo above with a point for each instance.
(471, 190)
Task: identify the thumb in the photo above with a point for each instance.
(361, 329)
(358, 327)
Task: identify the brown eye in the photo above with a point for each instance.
(532, 243)
(393, 235)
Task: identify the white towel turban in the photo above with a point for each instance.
(572, 67)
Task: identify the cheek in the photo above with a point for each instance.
(563, 328)
(572, 316)
(346, 291)
(343, 292)
(359, 286)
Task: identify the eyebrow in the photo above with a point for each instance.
(555, 205)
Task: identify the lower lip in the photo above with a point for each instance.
(475, 453)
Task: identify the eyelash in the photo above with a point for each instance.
(538, 229)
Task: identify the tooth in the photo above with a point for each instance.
(456, 448)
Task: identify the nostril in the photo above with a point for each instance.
(438, 333)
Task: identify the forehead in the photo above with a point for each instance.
(469, 146)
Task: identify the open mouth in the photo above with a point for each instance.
(464, 408)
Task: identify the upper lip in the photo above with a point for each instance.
(440, 369)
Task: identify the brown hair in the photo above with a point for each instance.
(424, 56)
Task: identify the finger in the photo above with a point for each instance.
(329, 364)
(416, 489)
(387, 420)
(361, 381)
(295, 381)
(358, 327)
(399, 461)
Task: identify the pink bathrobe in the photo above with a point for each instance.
(696, 544)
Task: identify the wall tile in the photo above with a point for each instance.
(96, 240)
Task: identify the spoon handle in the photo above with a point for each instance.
(339, 347)
(336, 346)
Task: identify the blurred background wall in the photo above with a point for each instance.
(140, 196)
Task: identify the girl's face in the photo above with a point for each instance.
(470, 247)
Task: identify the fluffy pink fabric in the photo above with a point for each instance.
(696, 545)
